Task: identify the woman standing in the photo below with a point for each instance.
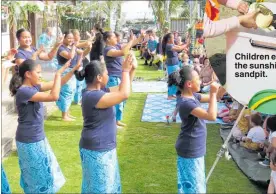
(26, 51)
(100, 170)
(40, 171)
(80, 45)
(98, 46)
(66, 52)
(171, 51)
(113, 56)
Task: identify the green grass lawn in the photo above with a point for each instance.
(147, 72)
(146, 155)
(146, 152)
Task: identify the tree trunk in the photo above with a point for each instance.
(118, 17)
(13, 36)
(31, 19)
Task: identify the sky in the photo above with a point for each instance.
(137, 9)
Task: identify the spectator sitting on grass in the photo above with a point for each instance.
(197, 65)
(186, 60)
(256, 135)
(243, 125)
(207, 76)
(151, 50)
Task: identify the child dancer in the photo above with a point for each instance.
(191, 142)
(40, 171)
(172, 62)
(100, 170)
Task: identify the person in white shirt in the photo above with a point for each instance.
(256, 135)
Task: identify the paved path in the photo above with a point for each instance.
(151, 86)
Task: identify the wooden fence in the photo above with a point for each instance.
(82, 25)
(180, 25)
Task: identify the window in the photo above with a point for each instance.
(4, 19)
(4, 26)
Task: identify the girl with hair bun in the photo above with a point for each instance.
(113, 56)
(100, 169)
(191, 142)
(40, 171)
(172, 63)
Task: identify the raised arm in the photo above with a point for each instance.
(180, 48)
(88, 49)
(230, 3)
(49, 85)
(54, 94)
(49, 56)
(115, 97)
(217, 28)
(69, 55)
(211, 113)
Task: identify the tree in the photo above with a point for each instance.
(159, 11)
(118, 16)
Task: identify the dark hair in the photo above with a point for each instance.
(165, 41)
(149, 31)
(98, 27)
(117, 34)
(256, 118)
(91, 71)
(66, 33)
(48, 29)
(107, 35)
(18, 78)
(19, 32)
(179, 78)
(271, 123)
(218, 63)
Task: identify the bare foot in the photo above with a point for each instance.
(119, 123)
(68, 119)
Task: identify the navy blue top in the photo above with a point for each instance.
(99, 125)
(62, 60)
(30, 116)
(24, 54)
(113, 64)
(191, 142)
(172, 56)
